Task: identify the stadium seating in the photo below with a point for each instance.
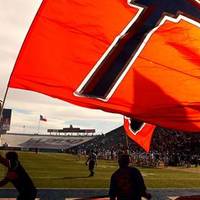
(168, 148)
(43, 141)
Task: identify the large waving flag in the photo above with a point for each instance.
(139, 58)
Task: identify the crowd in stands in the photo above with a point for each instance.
(168, 148)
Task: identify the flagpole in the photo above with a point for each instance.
(2, 105)
(1, 116)
(1, 112)
(39, 126)
(127, 145)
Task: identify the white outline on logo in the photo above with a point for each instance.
(143, 44)
(130, 129)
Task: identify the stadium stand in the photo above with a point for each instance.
(53, 142)
(168, 148)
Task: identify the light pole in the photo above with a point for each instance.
(1, 109)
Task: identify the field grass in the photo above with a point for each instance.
(53, 170)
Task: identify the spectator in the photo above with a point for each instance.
(168, 147)
(127, 182)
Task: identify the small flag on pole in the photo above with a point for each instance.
(139, 132)
(42, 118)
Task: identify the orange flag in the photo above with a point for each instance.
(139, 132)
(140, 59)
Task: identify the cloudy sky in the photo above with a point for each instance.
(15, 19)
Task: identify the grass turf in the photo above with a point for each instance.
(53, 170)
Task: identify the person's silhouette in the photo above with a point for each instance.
(18, 177)
(127, 182)
(92, 160)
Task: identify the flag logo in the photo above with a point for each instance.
(107, 74)
(143, 64)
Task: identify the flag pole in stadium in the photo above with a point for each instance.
(2, 106)
(2, 103)
(127, 145)
(39, 126)
(1, 117)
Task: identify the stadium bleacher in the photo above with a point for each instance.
(168, 147)
(27, 141)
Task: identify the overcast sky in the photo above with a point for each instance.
(15, 19)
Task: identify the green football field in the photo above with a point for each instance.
(58, 170)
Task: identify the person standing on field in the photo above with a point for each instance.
(91, 162)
